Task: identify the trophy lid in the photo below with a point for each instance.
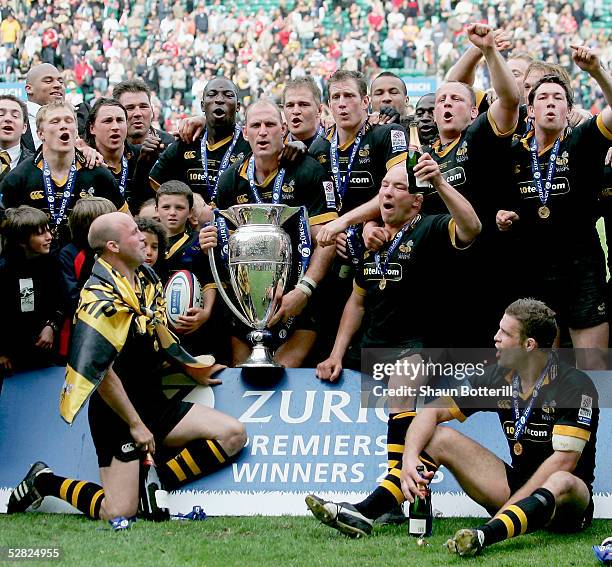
(259, 213)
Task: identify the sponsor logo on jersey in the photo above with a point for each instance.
(533, 431)
(197, 176)
(373, 273)
(189, 155)
(361, 179)
(559, 186)
(242, 199)
(398, 141)
(454, 176)
(36, 195)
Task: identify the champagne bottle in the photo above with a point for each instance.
(415, 185)
(153, 497)
(419, 514)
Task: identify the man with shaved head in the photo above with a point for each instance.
(264, 177)
(45, 84)
(118, 344)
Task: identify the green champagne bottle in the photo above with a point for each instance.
(420, 519)
(415, 185)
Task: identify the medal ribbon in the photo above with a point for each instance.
(354, 244)
(520, 420)
(56, 219)
(124, 174)
(335, 161)
(394, 244)
(212, 193)
(543, 190)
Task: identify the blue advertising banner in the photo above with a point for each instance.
(17, 89)
(418, 86)
(304, 436)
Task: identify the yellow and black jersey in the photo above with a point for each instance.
(184, 253)
(390, 320)
(473, 164)
(572, 201)
(564, 416)
(24, 186)
(381, 147)
(306, 183)
(183, 162)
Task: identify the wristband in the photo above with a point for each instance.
(304, 288)
(309, 282)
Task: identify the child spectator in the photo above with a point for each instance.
(31, 291)
(156, 241)
(148, 210)
(175, 206)
(77, 258)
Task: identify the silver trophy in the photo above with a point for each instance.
(259, 262)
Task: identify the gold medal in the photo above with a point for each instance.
(543, 212)
(383, 284)
(518, 449)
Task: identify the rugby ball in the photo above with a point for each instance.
(182, 291)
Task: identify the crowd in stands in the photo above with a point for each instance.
(178, 46)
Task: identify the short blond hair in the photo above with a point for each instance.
(44, 110)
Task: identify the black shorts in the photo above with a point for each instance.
(576, 291)
(565, 521)
(111, 435)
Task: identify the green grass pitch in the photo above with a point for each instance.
(279, 542)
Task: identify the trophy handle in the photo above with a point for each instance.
(224, 295)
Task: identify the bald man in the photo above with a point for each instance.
(263, 177)
(45, 84)
(129, 415)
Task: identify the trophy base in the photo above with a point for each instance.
(261, 357)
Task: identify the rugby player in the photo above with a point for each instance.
(128, 413)
(302, 110)
(200, 163)
(302, 182)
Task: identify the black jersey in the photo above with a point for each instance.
(183, 162)
(565, 410)
(569, 230)
(184, 253)
(306, 183)
(390, 319)
(24, 186)
(381, 147)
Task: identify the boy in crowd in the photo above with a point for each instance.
(174, 200)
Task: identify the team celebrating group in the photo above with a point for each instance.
(100, 209)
